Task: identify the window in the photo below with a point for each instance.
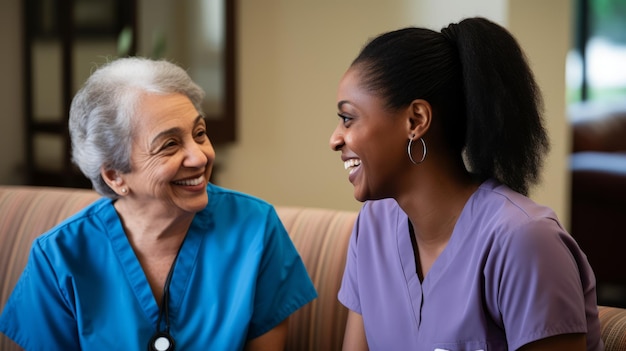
(596, 65)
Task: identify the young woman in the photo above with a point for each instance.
(442, 135)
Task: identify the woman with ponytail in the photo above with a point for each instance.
(442, 135)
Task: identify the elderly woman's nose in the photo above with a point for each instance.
(195, 155)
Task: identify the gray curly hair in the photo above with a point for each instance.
(101, 113)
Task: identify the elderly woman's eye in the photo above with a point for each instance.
(169, 144)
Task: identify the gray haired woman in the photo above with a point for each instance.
(164, 259)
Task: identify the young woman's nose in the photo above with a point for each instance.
(336, 140)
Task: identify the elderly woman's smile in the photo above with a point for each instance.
(172, 157)
(190, 182)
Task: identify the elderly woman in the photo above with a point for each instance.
(165, 259)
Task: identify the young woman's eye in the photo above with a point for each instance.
(345, 119)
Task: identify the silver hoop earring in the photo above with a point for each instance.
(410, 153)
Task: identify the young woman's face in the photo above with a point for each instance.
(372, 140)
(171, 157)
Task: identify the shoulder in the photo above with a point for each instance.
(80, 223)
(495, 206)
(513, 227)
(227, 203)
(497, 195)
(221, 195)
(72, 241)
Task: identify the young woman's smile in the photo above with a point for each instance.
(370, 138)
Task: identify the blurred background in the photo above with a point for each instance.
(271, 70)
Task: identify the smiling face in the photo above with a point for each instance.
(171, 157)
(372, 140)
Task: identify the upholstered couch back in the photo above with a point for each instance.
(320, 235)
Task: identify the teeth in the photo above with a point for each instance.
(351, 163)
(190, 182)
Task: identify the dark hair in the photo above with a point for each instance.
(476, 77)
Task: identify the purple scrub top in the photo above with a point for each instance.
(509, 275)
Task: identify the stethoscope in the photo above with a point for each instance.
(162, 340)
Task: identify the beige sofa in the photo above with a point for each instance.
(321, 236)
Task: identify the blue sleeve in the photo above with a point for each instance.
(283, 285)
(38, 315)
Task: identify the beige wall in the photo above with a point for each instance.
(292, 54)
(543, 28)
(291, 57)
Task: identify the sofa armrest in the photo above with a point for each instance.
(613, 326)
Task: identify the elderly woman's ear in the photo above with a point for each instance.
(114, 181)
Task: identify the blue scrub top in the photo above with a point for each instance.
(236, 277)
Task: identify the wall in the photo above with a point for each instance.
(291, 57)
(543, 28)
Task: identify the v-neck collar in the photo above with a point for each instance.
(419, 290)
(406, 252)
(184, 265)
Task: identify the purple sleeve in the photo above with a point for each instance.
(534, 283)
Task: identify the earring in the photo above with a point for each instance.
(124, 190)
(410, 153)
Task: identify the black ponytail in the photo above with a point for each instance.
(505, 137)
(483, 93)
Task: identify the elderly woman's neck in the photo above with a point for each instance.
(155, 239)
(153, 231)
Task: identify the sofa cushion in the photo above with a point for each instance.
(613, 325)
(321, 237)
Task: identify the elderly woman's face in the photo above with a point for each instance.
(171, 156)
